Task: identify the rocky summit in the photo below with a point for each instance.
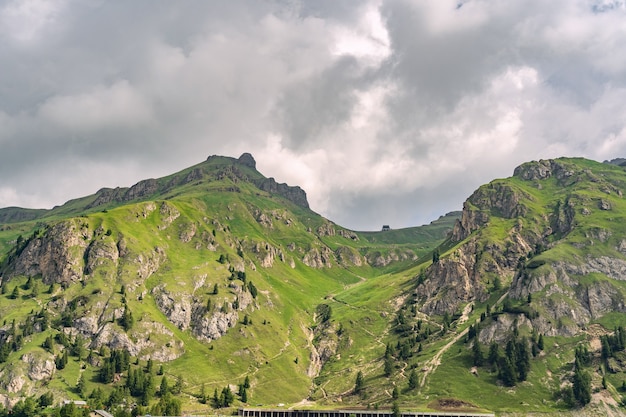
(216, 287)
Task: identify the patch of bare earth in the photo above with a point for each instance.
(449, 404)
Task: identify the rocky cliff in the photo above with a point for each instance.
(542, 235)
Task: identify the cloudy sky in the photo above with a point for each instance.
(385, 112)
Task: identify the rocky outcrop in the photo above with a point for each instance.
(266, 253)
(247, 160)
(347, 256)
(294, 194)
(318, 257)
(158, 345)
(168, 213)
(57, 255)
(101, 250)
(449, 283)
(13, 379)
(177, 307)
(106, 196)
(40, 367)
(141, 190)
(379, 259)
(495, 199)
(149, 263)
(216, 325)
(211, 325)
(541, 170)
(329, 229)
(187, 232)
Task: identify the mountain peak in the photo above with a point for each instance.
(247, 160)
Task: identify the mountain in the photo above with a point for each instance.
(540, 255)
(213, 276)
(218, 287)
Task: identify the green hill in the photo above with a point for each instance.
(216, 288)
(213, 275)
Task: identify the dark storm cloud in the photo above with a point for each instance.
(384, 111)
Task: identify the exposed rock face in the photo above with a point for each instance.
(13, 380)
(449, 283)
(187, 232)
(542, 170)
(142, 189)
(111, 336)
(267, 253)
(39, 367)
(149, 263)
(177, 309)
(318, 257)
(378, 259)
(325, 345)
(168, 213)
(348, 256)
(495, 199)
(138, 191)
(99, 252)
(567, 304)
(247, 160)
(328, 229)
(294, 194)
(108, 195)
(57, 255)
(211, 325)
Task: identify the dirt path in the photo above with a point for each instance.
(435, 361)
(431, 365)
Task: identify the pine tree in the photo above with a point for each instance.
(581, 386)
(507, 372)
(477, 354)
(203, 398)
(436, 256)
(80, 386)
(523, 360)
(388, 366)
(15, 294)
(252, 289)
(163, 388)
(216, 399)
(358, 383)
(127, 321)
(395, 409)
(413, 380)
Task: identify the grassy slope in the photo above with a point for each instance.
(453, 379)
(274, 350)
(363, 299)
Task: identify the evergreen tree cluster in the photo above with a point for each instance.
(614, 343)
(116, 363)
(224, 399)
(512, 364)
(324, 312)
(579, 393)
(34, 407)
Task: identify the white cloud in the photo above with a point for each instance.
(27, 20)
(118, 105)
(368, 40)
(394, 110)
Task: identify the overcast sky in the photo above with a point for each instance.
(384, 112)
